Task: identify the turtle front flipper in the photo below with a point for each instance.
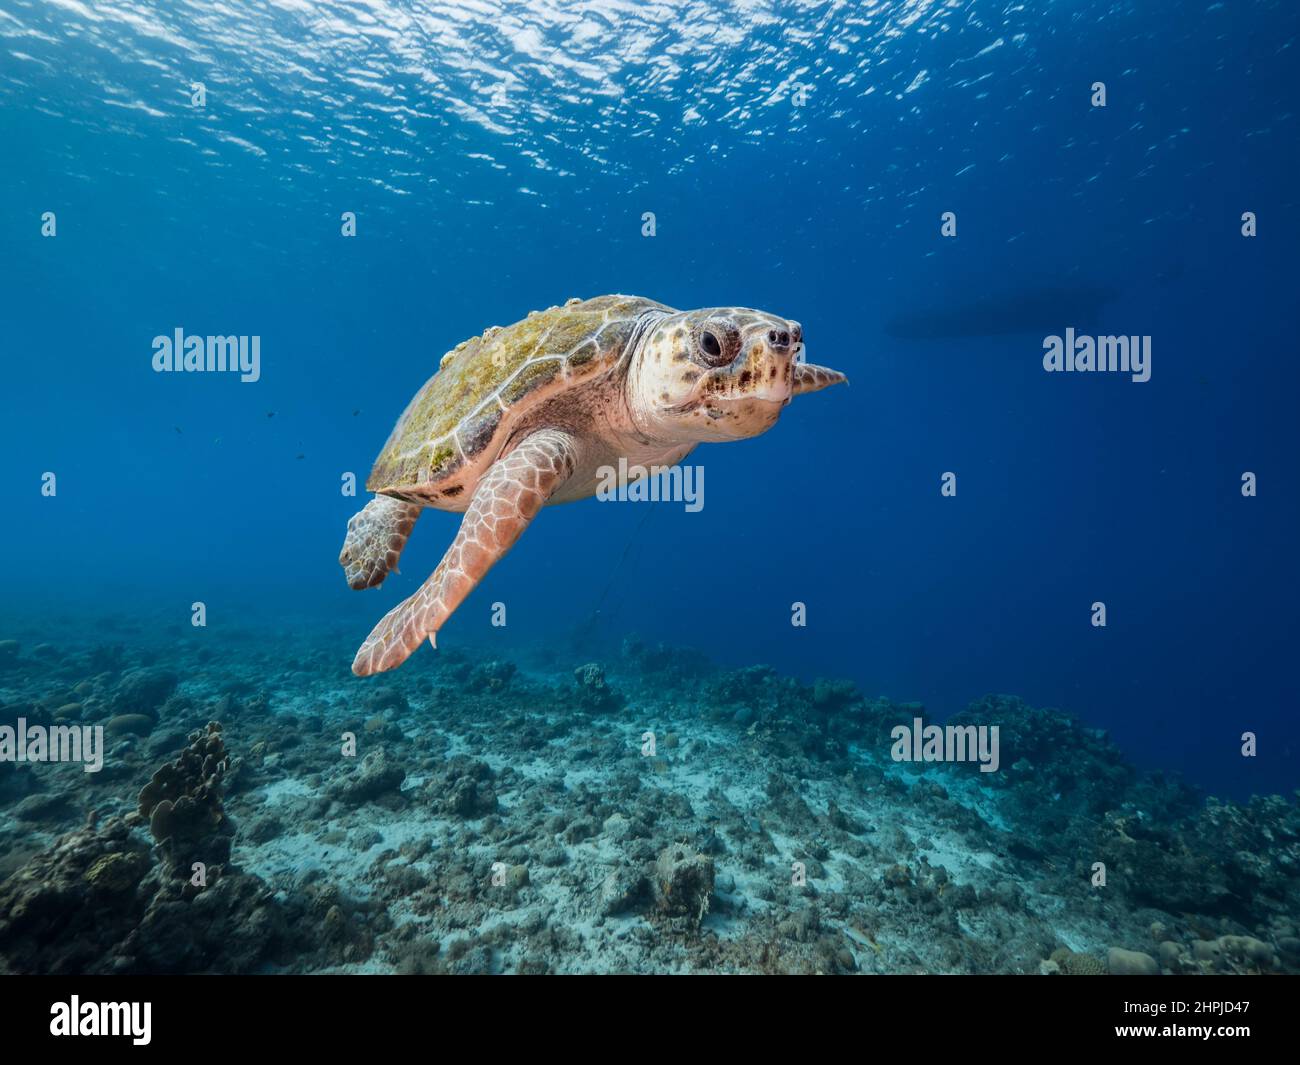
(810, 378)
(508, 497)
(376, 535)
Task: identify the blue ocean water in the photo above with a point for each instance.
(796, 158)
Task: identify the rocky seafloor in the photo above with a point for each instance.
(513, 816)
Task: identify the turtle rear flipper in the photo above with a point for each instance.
(508, 497)
(376, 535)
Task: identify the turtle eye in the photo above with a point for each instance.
(713, 349)
(716, 344)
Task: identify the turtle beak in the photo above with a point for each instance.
(810, 378)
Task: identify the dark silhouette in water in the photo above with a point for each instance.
(1036, 310)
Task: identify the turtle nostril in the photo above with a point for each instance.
(778, 339)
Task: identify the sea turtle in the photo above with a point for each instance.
(537, 412)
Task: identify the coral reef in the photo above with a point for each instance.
(476, 814)
(683, 884)
(100, 900)
(378, 776)
(183, 805)
(594, 695)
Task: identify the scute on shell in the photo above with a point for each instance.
(484, 384)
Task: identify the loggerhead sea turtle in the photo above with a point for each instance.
(531, 413)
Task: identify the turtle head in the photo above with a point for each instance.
(723, 373)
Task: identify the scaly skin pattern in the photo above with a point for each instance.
(376, 535)
(507, 498)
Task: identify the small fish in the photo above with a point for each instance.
(356, 412)
(270, 414)
(177, 428)
(301, 456)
